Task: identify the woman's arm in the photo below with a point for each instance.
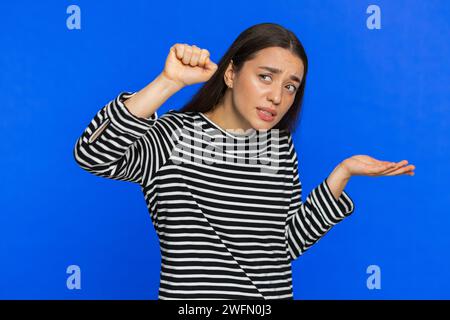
(146, 101)
(308, 221)
(119, 145)
(126, 140)
(184, 65)
(328, 203)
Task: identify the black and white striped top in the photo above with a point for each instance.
(226, 206)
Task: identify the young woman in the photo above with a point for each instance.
(220, 176)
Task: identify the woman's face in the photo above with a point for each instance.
(269, 81)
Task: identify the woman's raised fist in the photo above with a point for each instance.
(188, 65)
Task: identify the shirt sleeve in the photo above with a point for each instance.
(309, 221)
(121, 146)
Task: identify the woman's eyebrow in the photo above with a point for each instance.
(275, 70)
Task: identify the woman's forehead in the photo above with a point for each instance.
(277, 60)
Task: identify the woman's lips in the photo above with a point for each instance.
(264, 115)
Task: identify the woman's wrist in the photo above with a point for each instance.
(170, 83)
(342, 172)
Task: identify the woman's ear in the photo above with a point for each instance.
(228, 76)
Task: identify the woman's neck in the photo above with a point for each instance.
(226, 116)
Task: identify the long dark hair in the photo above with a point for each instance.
(245, 47)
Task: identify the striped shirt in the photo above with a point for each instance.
(226, 206)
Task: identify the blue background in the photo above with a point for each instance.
(384, 93)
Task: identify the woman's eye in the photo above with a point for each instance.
(266, 75)
(295, 88)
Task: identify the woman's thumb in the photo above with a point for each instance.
(210, 65)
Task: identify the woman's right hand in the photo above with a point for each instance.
(186, 65)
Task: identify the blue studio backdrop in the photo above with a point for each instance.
(378, 84)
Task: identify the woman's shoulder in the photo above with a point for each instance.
(184, 118)
(175, 113)
(183, 121)
(176, 116)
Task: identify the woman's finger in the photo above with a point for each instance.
(377, 169)
(179, 50)
(187, 54)
(390, 168)
(195, 56)
(203, 55)
(402, 170)
(395, 166)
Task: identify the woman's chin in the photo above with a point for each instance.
(263, 125)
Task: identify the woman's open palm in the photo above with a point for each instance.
(363, 165)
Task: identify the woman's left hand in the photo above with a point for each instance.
(363, 165)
